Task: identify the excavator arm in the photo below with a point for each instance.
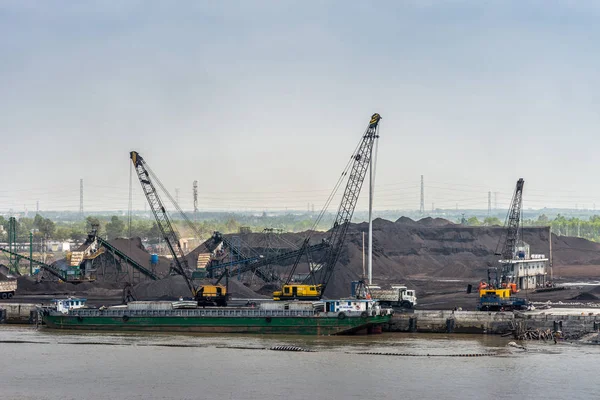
(162, 219)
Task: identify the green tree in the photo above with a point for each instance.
(543, 219)
(115, 228)
(141, 229)
(92, 221)
(231, 225)
(77, 233)
(490, 221)
(154, 234)
(45, 226)
(62, 233)
(473, 221)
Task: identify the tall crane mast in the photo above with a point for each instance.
(162, 219)
(360, 164)
(206, 293)
(513, 221)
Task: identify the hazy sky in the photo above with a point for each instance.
(264, 101)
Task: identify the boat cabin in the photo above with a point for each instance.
(348, 305)
(64, 305)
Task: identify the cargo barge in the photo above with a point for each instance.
(326, 317)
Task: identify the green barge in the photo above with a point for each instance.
(328, 317)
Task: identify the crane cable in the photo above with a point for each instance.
(337, 186)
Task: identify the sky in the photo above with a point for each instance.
(263, 102)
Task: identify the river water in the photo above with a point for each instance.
(44, 364)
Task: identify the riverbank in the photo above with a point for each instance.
(572, 322)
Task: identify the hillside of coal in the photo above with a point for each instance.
(432, 255)
(433, 249)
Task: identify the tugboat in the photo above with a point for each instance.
(63, 306)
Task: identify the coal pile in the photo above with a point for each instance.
(419, 253)
(586, 296)
(135, 250)
(173, 287)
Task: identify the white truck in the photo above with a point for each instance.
(397, 296)
(8, 289)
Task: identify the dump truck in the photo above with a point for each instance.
(8, 289)
(398, 296)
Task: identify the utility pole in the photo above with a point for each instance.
(550, 257)
(371, 190)
(12, 245)
(81, 198)
(371, 218)
(31, 253)
(363, 254)
(489, 203)
(422, 209)
(195, 187)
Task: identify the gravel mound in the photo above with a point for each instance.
(585, 296)
(173, 287)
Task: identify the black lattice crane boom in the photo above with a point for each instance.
(510, 240)
(206, 293)
(360, 164)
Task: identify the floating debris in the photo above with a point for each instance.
(290, 348)
(426, 355)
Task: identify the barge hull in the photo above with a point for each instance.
(260, 325)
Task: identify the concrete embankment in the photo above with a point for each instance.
(571, 321)
(19, 313)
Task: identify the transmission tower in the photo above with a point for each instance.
(195, 201)
(495, 200)
(81, 197)
(422, 196)
(489, 203)
(177, 196)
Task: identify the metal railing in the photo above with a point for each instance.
(82, 312)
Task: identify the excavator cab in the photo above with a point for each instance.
(208, 295)
(298, 292)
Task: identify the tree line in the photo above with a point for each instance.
(561, 225)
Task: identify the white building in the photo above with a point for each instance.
(527, 270)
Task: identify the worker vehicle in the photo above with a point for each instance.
(313, 287)
(494, 297)
(205, 294)
(399, 296)
(8, 289)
